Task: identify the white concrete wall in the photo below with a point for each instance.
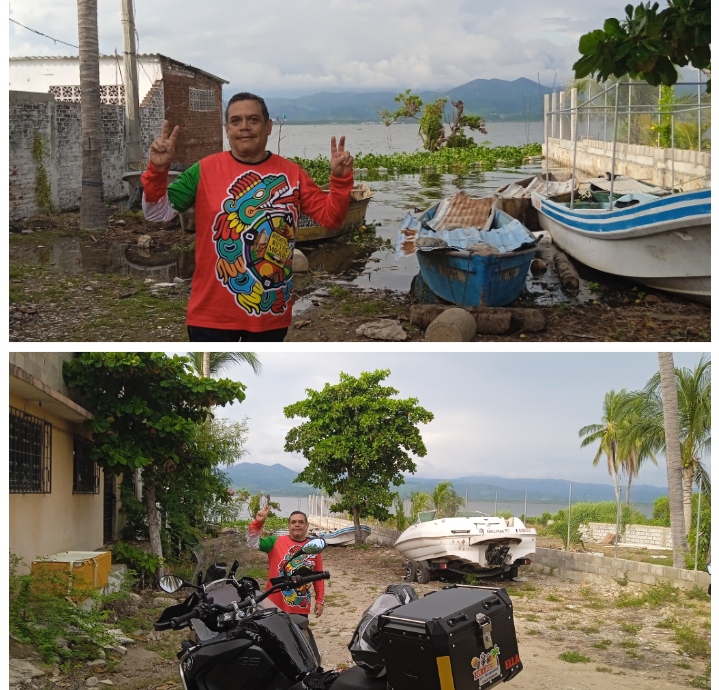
(634, 535)
(691, 169)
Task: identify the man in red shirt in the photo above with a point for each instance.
(281, 551)
(247, 207)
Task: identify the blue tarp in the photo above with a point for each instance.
(506, 238)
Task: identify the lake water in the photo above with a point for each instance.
(311, 141)
(534, 509)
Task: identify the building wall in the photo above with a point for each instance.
(45, 524)
(201, 130)
(653, 165)
(634, 535)
(44, 366)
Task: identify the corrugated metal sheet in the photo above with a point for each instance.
(625, 185)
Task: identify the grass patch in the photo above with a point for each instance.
(697, 593)
(633, 655)
(630, 628)
(667, 624)
(659, 595)
(603, 669)
(532, 618)
(591, 629)
(533, 631)
(603, 644)
(574, 658)
(629, 644)
(554, 597)
(690, 642)
(705, 680)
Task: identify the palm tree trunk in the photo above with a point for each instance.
(93, 212)
(206, 365)
(670, 406)
(629, 487)
(153, 521)
(688, 477)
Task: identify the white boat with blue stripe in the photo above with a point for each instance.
(661, 242)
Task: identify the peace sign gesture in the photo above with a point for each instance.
(162, 150)
(340, 162)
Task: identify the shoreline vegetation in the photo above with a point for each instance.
(481, 157)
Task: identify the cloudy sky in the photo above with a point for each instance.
(282, 48)
(508, 414)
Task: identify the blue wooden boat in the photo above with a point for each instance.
(472, 266)
(664, 243)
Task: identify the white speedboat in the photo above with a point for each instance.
(470, 543)
(343, 536)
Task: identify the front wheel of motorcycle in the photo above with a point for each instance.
(410, 571)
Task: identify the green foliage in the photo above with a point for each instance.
(45, 613)
(357, 441)
(400, 519)
(705, 534)
(445, 500)
(43, 190)
(659, 595)
(135, 526)
(419, 501)
(648, 43)
(150, 412)
(431, 128)
(142, 563)
(574, 657)
(255, 504)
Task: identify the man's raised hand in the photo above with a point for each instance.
(341, 161)
(162, 150)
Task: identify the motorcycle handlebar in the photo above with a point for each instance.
(179, 620)
(295, 581)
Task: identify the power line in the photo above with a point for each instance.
(57, 40)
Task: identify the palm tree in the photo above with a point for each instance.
(670, 406)
(418, 501)
(693, 389)
(611, 434)
(446, 500)
(212, 363)
(93, 212)
(634, 448)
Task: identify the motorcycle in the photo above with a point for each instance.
(241, 641)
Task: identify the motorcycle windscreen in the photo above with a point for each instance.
(284, 642)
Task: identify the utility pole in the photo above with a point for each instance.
(133, 142)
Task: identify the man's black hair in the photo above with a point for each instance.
(247, 96)
(297, 512)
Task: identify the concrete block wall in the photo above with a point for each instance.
(44, 366)
(587, 567)
(651, 164)
(635, 535)
(30, 115)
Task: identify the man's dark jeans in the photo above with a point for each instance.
(199, 334)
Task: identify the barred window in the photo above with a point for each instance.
(202, 99)
(30, 453)
(85, 471)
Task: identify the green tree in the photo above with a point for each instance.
(218, 362)
(431, 128)
(150, 413)
(693, 388)
(648, 43)
(357, 441)
(609, 434)
(446, 500)
(418, 501)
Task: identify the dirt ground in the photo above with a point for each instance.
(621, 648)
(53, 299)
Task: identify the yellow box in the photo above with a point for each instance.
(79, 570)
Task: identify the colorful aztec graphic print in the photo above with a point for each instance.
(254, 237)
(296, 597)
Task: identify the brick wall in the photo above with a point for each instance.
(201, 132)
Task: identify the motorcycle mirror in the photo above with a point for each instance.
(313, 546)
(171, 583)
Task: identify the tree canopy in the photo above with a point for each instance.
(150, 413)
(431, 129)
(648, 43)
(357, 440)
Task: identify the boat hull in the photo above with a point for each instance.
(664, 244)
(344, 536)
(457, 540)
(471, 280)
(309, 231)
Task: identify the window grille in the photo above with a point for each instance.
(30, 453)
(202, 99)
(85, 471)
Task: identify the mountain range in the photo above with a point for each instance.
(277, 480)
(494, 99)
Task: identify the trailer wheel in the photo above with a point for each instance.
(410, 571)
(423, 573)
